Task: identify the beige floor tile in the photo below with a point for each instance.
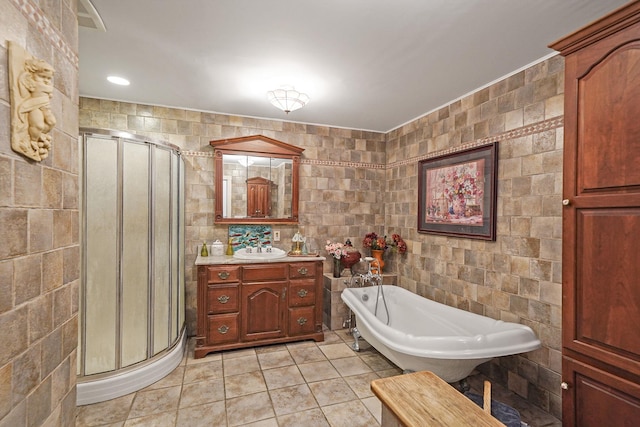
(111, 411)
(155, 401)
(203, 371)
(210, 414)
(374, 406)
(275, 359)
(247, 409)
(174, 378)
(337, 351)
(350, 366)
(282, 377)
(271, 422)
(377, 362)
(164, 419)
(349, 414)
(318, 371)
(310, 418)
(211, 357)
(292, 399)
(361, 384)
(270, 348)
(330, 392)
(331, 337)
(233, 354)
(240, 365)
(389, 372)
(243, 384)
(201, 392)
(306, 354)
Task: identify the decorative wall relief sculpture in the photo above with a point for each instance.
(31, 89)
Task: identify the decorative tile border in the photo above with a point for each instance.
(543, 126)
(35, 16)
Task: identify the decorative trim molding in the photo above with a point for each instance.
(542, 126)
(36, 17)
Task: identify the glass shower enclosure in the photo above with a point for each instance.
(131, 312)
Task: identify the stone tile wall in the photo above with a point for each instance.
(39, 253)
(354, 182)
(518, 277)
(341, 175)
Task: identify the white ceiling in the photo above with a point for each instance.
(366, 64)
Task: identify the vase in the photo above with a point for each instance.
(337, 267)
(377, 254)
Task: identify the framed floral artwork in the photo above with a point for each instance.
(457, 193)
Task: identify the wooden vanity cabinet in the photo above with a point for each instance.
(244, 305)
(258, 197)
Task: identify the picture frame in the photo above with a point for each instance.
(457, 193)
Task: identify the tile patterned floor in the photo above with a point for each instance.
(298, 384)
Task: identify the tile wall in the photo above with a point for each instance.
(39, 250)
(341, 175)
(354, 182)
(517, 277)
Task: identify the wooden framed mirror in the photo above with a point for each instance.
(256, 180)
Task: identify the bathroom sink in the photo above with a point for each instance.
(274, 254)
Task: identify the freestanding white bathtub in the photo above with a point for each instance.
(424, 335)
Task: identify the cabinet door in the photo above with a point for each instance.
(264, 310)
(596, 398)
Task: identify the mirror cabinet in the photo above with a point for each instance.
(256, 180)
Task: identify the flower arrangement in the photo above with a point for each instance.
(336, 250)
(375, 242)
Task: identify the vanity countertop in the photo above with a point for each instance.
(228, 259)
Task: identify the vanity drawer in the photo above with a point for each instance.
(301, 270)
(223, 274)
(302, 292)
(223, 328)
(257, 273)
(302, 320)
(223, 299)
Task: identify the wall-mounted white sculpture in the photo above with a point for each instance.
(31, 89)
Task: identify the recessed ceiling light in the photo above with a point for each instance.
(118, 80)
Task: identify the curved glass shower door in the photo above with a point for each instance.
(132, 292)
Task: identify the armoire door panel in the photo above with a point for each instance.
(608, 128)
(596, 398)
(607, 292)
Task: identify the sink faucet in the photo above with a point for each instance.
(259, 250)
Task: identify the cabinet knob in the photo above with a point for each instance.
(223, 275)
(302, 321)
(564, 385)
(566, 202)
(223, 299)
(302, 293)
(223, 329)
(302, 271)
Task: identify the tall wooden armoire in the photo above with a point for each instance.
(601, 222)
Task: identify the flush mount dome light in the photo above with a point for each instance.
(118, 80)
(287, 99)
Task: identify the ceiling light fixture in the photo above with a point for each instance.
(287, 99)
(118, 80)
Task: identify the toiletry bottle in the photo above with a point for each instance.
(204, 251)
(229, 248)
